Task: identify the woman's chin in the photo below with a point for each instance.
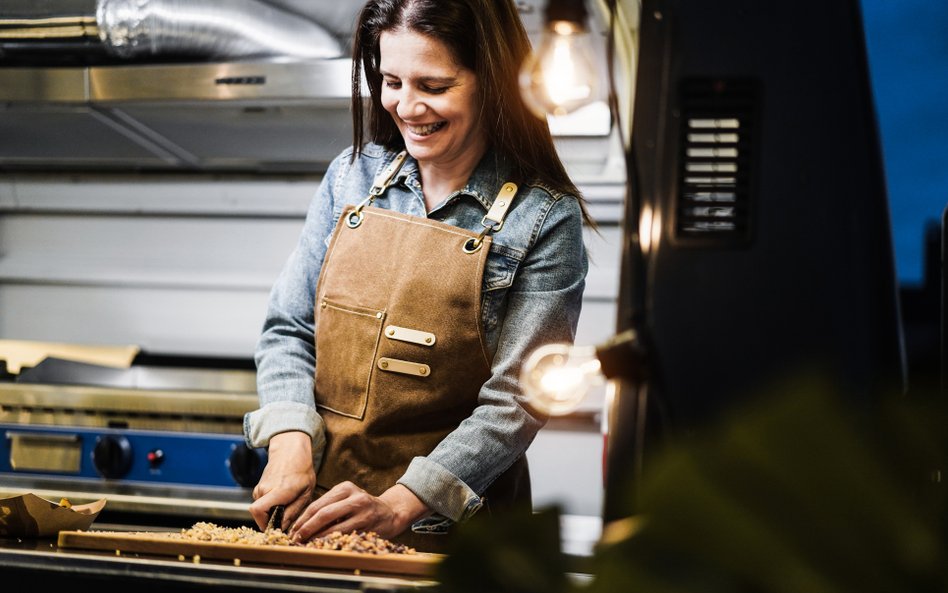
(421, 151)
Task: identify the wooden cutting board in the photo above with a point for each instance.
(418, 564)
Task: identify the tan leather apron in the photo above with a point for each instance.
(400, 348)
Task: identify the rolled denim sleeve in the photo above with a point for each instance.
(285, 355)
(543, 306)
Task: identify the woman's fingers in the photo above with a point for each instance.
(323, 520)
(345, 508)
(260, 508)
(346, 526)
(322, 511)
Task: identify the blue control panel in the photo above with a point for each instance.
(157, 457)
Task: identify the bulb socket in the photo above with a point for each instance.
(623, 356)
(573, 11)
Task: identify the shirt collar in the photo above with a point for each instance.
(485, 181)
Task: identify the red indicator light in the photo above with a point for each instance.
(155, 457)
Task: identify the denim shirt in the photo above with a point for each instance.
(532, 293)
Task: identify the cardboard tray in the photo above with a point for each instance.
(28, 515)
(418, 564)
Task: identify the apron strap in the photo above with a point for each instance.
(493, 221)
(381, 183)
(383, 179)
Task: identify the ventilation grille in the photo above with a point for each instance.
(718, 131)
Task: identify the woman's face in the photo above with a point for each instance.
(431, 98)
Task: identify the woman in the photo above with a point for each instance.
(434, 258)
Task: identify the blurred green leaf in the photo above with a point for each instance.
(802, 491)
(506, 553)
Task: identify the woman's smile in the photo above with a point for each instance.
(425, 129)
(432, 99)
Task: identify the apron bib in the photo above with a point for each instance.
(401, 355)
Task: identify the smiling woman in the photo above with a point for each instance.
(440, 249)
(432, 100)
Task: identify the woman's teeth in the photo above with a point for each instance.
(426, 129)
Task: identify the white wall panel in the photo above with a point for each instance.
(172, 194)
(160, 320)
(129, 250)
(602, 280)
(109, 246)
(566, 470)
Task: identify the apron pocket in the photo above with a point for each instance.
(347, 338)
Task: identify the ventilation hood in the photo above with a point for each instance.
(254, 116)
(191, 85)
(203, 85)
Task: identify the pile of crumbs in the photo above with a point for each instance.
(365, 542)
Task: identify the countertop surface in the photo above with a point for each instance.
(41, 562)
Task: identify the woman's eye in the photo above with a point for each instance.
(435, 91)
(393, 84)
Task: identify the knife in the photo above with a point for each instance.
(276, 517)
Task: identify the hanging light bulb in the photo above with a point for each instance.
(557, 377)
(560, 75)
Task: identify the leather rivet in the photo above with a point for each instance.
(423, 370)
(427, 340)
(502, 203)
(384, 365)
(391, 332)
(378, 315)
(323, 305)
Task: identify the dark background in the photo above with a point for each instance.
(907, 42)
(908, 60)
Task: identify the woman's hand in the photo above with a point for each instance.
(346, 508)
(288, 478)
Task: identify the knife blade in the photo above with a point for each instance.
(276, 517)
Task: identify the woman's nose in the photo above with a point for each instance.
(410, 106)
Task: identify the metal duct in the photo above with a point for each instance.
(129, 29)
(209, 28)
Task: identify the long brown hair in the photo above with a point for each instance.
(488, 38)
